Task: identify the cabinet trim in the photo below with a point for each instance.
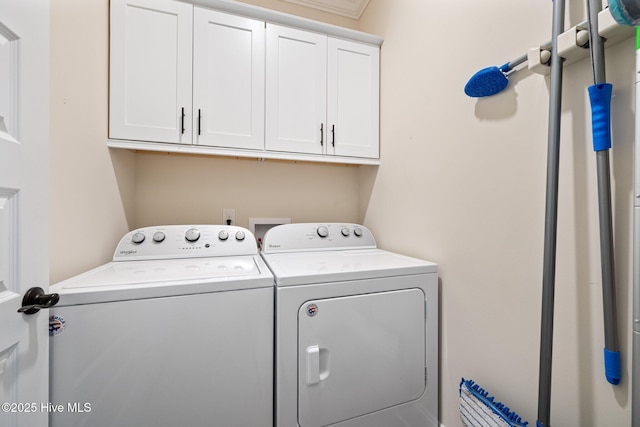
(255, 154)
(268, 15)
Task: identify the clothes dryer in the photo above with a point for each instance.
(356, 330)
(176, 331)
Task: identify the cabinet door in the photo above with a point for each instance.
(150, 72)
(296, 90)
(353, 99)
(228, 80)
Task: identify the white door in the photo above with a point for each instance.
(296, 90)
(150, 69)
(24, 172)
(228, 80)
(359, 354)
(353, 99)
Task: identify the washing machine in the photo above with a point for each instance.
(356, 330)
(176, 331)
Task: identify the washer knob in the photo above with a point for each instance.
(192, 235)
(240, 236)
(357, 231)
(158, 236)
(323, 231)
(137, 238)
(345, 232)
(223, 235)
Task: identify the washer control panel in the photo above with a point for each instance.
(317, 237)
(185, 241)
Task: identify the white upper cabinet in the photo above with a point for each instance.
(150, 70)
(296, 90)
(191, 79)
(353, 99)
(228, 80)
(322, 94)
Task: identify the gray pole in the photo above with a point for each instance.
(551, 219)
(596, 45)
(635, 390)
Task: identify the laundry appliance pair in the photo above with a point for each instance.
(186, 327)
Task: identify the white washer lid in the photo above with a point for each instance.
(290, 269)
(126, 280)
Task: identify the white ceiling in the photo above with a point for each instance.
(349, 8)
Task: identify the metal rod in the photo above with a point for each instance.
(551, 219)
(596, 49)
(635, 390)
(606, 252)
(519, 60)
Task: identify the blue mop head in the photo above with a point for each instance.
(625, 12)
(477, 408)
(487, 82)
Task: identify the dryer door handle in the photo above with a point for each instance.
(313, 364)
(317, 364)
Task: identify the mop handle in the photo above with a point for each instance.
(551, 218)
(600, 98)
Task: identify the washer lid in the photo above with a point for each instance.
(125, 280)
(290, 269)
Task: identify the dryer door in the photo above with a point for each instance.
(359, 354)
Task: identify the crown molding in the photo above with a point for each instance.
(349, 8)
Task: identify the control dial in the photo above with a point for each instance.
(345, 232)
(158, 236)
(192, 235)
(357, 231)
(137, 238)
(323, 231)
(223, 235)
(240, 236)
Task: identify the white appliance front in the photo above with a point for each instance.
(193, 360)
(356, 331)
(364, 350)
(166, 342)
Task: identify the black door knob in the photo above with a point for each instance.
(35, 299)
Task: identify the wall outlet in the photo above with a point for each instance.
(228, 216)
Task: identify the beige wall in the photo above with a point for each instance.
(462, 183)
(92, 187)
(176, 189)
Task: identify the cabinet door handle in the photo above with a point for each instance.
(333, 135)
(321, 134)
(199, 118)
(182, 121)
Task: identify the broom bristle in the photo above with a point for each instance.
(479, 409)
